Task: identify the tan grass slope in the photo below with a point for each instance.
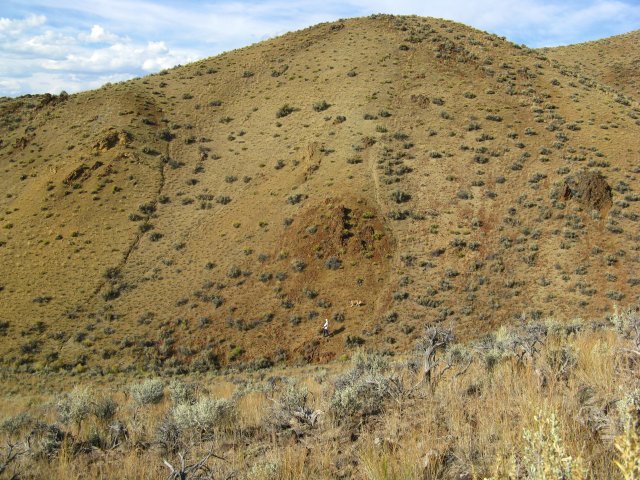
(217, 212)
(614, 61)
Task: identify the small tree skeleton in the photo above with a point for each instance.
(291, 407)
(12, 454)
(433, 340)
(455, 356)
(527, 346)
(199, 469)
(634, 331)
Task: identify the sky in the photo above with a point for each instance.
(74, 45)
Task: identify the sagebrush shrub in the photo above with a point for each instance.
(75, 406)
(16, 424)
(169, 435)
(363, 390)
(628, 443)
(544, 455)
(182, 392)
(205, 414)
(293, 401)
(285, 110)
(104, 408)
(298, 265)
(400, 197)
(333, 263)
(148, 392)
(321, 106)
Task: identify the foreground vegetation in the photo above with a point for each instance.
(536, 401)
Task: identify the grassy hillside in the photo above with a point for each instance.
(614, 61)
(216, 213)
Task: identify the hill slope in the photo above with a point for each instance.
(614, 61)
(218, 212)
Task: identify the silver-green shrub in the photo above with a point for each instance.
(182, 392)
(148, 392)
(292, 408)
(363, 390)
(205, 414)
(74, 406)
(16, 424)
(104, 409)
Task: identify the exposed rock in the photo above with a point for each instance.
(421, 100)
(81, 173)
(590, 189)
(21, 143)
(112, 139)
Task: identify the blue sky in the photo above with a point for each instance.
(72, 45)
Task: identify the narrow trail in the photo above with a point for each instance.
(146, 218)
(382, 207)
(385, 292)
(139, 235)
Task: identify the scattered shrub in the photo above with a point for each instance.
(75, 406)
(321, 106)
(104, 408)
(166, 135)
(399, 196)
(234, 272)
(298, 265)
(204, 415)
(285, 110)
(333, 263)
(149, 392)
(363, 390)
(296, 198)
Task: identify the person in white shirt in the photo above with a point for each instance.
(325, 328)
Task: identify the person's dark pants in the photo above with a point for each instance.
(325, 332)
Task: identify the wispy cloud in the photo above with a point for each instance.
(49, 45)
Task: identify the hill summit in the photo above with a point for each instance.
(382, 172)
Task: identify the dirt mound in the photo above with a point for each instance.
(590, 189)
(342, 228)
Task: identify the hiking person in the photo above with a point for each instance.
(325, 328)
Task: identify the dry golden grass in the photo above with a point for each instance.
(497, 419)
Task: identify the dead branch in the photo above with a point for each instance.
(200, 468)
(433, 340)
(12, 454)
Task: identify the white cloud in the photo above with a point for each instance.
(57, 82)
(98, 35)
(117, 57)
(9, 26)
(535, 22)
(37, 57)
